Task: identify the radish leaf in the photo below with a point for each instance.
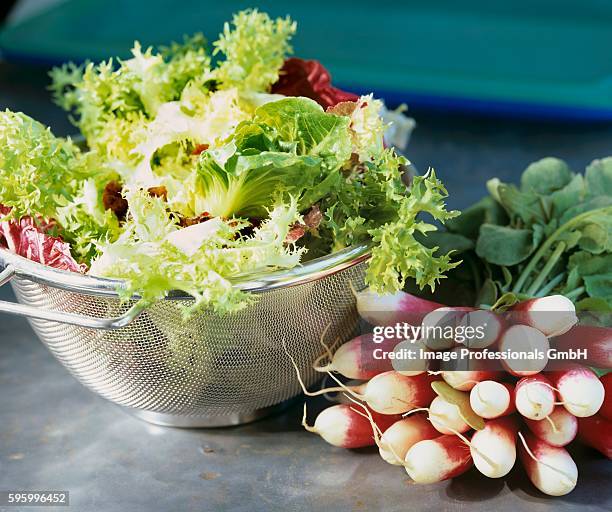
(462, 401)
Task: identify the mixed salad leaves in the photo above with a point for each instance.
(202, 167)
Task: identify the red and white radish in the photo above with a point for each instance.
(581, 391)
(534, 397)
(416, 363)
(493, 448)
(465, 380)
(526, 348)
(341, 425)
(552, 315)
(550, 468)
(435, 460)
(597, 341)
(393, 393)
(439, 326)
(402, 435)
(490, 399)
(356, 358)
(387, 393)
(393, 308)
(559, 428)
(606, 408)
(446, 417)
(596, 432)
(463, 370)
(487, 326)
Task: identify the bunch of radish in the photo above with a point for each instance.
(437, 425)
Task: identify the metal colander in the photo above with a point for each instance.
(210, 371)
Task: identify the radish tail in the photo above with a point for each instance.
(418, 409)
(376, 430)
(324, 391)
(328, 353)
(305, 422)
(552, 424)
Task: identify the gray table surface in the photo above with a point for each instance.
(55, 434)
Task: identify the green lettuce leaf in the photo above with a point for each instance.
(245, 185)
(291, 148)
(302, 123)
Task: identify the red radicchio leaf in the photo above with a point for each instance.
(27, 238)
(311, 222)
(314, 217)
(295, 233)
(309, 78)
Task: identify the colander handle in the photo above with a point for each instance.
(14, 308)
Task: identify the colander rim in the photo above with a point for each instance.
(312, 270)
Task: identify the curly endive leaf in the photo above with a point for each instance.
(254, 48)
(38, 171)
(397, 255)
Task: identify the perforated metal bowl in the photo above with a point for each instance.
(210, 371)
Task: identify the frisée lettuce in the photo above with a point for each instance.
(153, 255)
(203, 168)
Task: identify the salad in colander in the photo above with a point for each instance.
(203, 165)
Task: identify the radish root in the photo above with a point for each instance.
(328, 353)
(377, 433)
(328, 395)
(480, 395)
(418, 409)
(529, 392)
(548, 385)
(375, 428)
(305, 422)
(345, 388)
(489, 461)
(324, 391)
(557, 391)
(552, 424)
